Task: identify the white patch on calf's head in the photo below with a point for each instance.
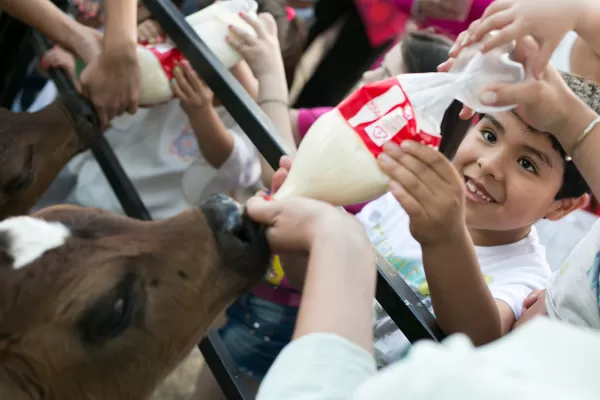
(28, 238)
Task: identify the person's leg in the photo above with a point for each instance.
(255, 333)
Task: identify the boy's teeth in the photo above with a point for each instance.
(473, 189)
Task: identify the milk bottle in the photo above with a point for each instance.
(157, 61)
(336, 160)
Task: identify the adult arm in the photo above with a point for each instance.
(120, 28)
(49, 20)
(587, 27)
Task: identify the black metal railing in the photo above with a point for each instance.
(396, 297)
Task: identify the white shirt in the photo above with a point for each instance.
(544, 359)
(512, 271)
(158, 150)
(572, 293)
(561, 58)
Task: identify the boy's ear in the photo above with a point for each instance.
(564, 207)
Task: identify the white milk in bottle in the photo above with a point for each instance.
(212, 22)
(336, 160)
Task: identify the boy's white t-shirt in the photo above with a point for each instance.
(159, 152)
(511, 271)
(573, 293)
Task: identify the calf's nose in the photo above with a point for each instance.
(227, 217)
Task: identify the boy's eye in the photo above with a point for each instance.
(489, 136)
(527, 165)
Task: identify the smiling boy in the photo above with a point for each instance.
(462, 234)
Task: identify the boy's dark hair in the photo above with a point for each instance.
(422, 52)
(291, 34)
(573, 183)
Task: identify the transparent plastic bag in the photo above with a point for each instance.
(336, 160)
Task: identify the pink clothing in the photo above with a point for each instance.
(451, 28)
(307, 117)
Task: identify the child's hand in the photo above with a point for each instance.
(429, 189)
(262, 53)
(89, 13)
(57, 57)
(194, 94)
(149, 31)
(546, 21)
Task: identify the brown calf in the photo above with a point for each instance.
(34, 147)
(99, 306)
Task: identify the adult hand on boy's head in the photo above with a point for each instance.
(295, 224)
(547, 22)
(428, 188)
(547, 105)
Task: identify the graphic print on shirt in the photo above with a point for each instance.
(411, 270)
(185, 145)
(592, 274)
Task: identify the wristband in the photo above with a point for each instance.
(584, 134)
(265, 101)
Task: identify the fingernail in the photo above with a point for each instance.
(385, 159)
(227, 38)
(268, 197)
(176, 70)
(465, 40)
(172, 81)
(488, 97)
(407, 144)
(394, 186)
(151, 41)
(242, 13)
(390, 147)
(451, 50)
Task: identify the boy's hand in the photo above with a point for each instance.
(149, 31)
(546, 21)
(262, 53)
(428, 188)
(89, 13)
(193, 93)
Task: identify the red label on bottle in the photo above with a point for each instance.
(381, 112)
(167, 55)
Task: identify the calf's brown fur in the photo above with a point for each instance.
(112, 311)
(34, 147)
